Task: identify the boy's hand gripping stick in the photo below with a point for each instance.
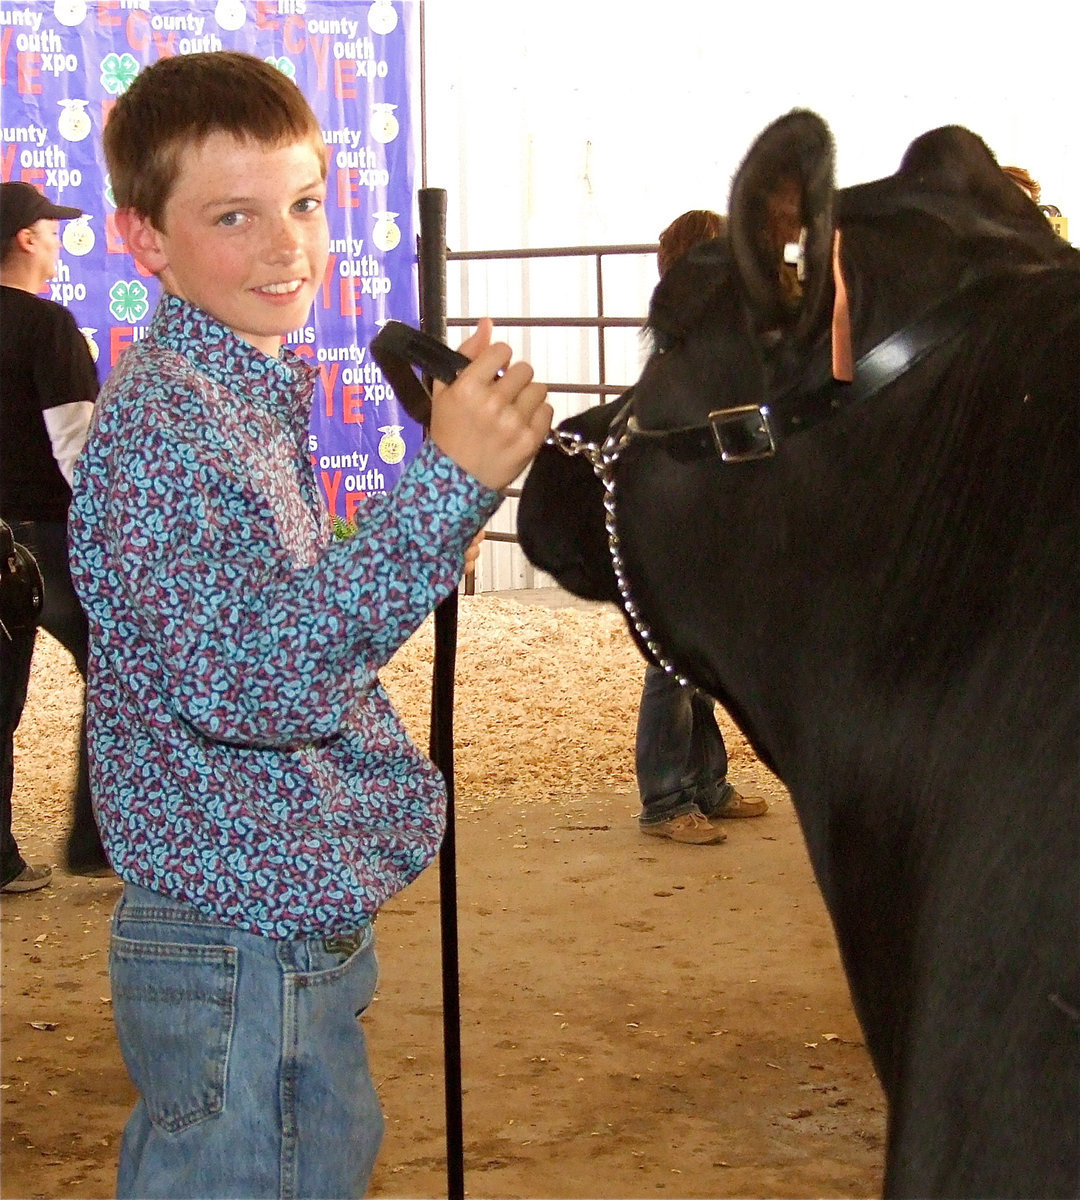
(397, 348)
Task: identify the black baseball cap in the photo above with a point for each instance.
(21, 205)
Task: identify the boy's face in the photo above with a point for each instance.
(245, 235)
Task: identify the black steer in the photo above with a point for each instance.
(878, 579)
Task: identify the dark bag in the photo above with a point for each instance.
(22, 590)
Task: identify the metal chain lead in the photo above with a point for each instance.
(602, 458)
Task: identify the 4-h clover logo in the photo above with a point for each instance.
(127, 300)
(284, 65)
(117, 73)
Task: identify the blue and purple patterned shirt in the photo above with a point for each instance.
(244, 756)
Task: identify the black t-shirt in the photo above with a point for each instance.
(44, 363)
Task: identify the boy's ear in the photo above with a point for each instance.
(142, 240)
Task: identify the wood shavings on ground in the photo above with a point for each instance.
(47, 742)
(546, 700)
(546, 704)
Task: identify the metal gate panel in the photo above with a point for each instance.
(578, 355)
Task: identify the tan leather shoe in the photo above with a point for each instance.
(692, 828)
(741, 806)
(29, 880)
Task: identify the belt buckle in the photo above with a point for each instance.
(742, 434)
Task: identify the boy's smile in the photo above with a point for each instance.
(245, 235)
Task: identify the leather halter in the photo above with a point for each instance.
(749, 433)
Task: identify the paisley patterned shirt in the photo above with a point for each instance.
(244, 756)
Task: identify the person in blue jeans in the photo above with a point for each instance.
(682, 763)
(256, 791)
(680, 757)
(48, 383)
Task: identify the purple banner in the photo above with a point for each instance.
(62, 65)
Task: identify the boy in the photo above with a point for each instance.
(256, 790)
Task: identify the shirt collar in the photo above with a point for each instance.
(230, 361)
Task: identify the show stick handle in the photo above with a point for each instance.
(433, 357)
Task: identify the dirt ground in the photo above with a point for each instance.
(638, 1018)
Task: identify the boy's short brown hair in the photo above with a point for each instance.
(179, 101)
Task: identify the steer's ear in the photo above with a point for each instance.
(955, 160)
(780, 223)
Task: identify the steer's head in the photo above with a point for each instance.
(705, 324)
(805, 281)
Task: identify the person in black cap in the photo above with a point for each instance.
(48, 384)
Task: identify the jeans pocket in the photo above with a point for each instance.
(174, 1007)
(350, 969)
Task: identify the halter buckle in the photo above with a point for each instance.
(742, 434)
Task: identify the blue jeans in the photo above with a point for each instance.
(247, 1054)
(63, 617)
(680, 755)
